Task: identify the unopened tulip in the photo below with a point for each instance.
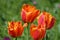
(47, 19)
(29, 13)
(15, 29)
(37, 32)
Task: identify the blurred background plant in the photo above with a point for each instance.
(10, 11)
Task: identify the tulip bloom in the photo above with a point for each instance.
(37, 32)
(47, 19)
(15, 29)
(29, 13)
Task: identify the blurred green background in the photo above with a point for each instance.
(10, 11)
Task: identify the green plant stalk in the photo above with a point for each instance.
(45, 38)
(16, 38)
(28, 29)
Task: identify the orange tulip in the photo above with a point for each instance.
(37, 32)
(15, 29)
(47, 19)
(29, 13)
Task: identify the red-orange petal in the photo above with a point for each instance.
(34, 15)
(51, 23)
(41, 20)
(23, 14)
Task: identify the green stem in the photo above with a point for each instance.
(28, 29)
(45, 38)
(15, 38)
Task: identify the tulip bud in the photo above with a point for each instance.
(15, 29)
(37, 32)
(29, 13)
(46, 19)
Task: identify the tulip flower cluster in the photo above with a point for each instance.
(29, 14)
